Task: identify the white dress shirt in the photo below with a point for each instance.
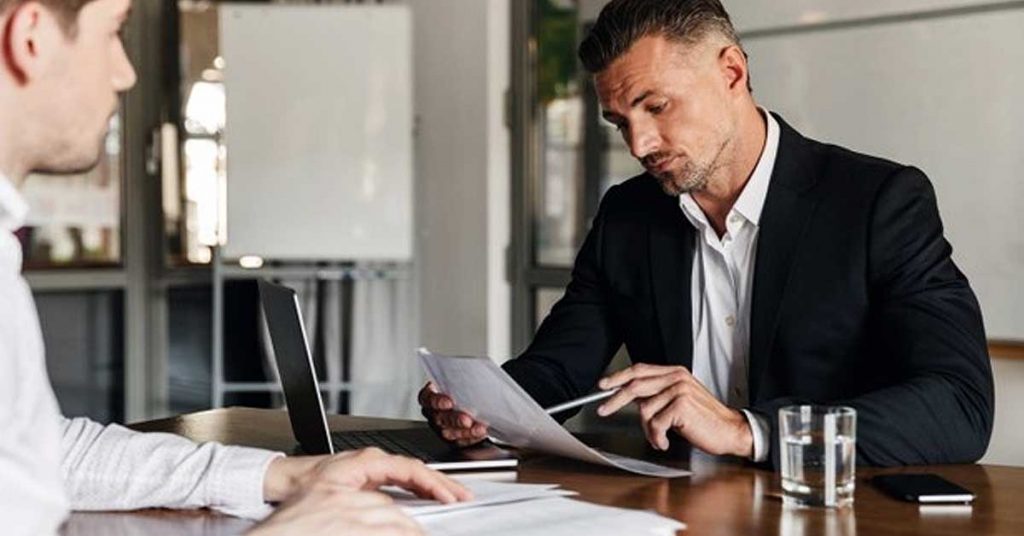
(50, 464)
(721, 284)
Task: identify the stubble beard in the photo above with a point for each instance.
(692, 176)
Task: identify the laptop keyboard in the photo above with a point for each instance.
(380, 439)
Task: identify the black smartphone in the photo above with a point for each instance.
(922, 488)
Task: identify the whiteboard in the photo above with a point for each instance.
(319, 131)
(943, 94)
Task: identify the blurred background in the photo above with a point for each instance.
(423, 171)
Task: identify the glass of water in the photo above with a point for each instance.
(817, 448)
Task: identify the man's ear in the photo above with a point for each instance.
(29, 33)
(733, 64)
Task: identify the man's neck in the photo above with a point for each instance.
(722, 192)
(15, 179)
(10, 166)
(13, 132)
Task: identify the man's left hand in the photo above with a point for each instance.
(669, 397)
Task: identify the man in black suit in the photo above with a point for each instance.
(778, 270)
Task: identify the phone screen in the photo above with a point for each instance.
(923, 488)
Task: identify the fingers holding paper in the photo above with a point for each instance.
(451, 424)
(670, 398)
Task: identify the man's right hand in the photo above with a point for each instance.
(366, 470)
(451, 424)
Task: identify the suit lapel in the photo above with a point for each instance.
(671, 262)
(786, 212)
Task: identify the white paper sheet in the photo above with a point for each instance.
(549, 517)
(483, 390)
(484, 493)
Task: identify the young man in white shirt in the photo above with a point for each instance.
(61, 69)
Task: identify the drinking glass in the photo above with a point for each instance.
(818, 448)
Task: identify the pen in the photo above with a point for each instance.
(581, 401)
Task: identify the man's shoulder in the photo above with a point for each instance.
(840, 167)
(842, 161)
(852, 175)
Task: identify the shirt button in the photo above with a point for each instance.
(730, 321)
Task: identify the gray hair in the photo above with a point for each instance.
(623, 22)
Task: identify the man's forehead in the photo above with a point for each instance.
(625, 83)
(650, 64)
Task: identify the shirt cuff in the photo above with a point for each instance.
(237, 485)
(761, 431)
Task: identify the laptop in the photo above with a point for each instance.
(306, 408)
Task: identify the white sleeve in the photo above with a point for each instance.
(114, 468)
(761, 431)
(32, 501)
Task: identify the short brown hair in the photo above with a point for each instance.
(66, 10)
(623, 22)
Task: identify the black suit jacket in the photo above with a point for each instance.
(856, 301)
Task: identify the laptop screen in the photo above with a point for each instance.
(295, 365)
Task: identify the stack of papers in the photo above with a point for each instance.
(484, 493)
(481, 389)
(549, 517)
(502, 508)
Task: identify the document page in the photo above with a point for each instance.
(549, 517)
(484, 493)
(481, 389)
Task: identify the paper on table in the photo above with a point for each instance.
(483, 390)
(484, 493)
(549, 517)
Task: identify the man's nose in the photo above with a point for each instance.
(124, 76)
(642, 142)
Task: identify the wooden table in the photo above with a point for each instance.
(724, 496)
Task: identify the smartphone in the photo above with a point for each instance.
(922, 488)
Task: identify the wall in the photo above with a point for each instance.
(912, 89)
(1007, 447)
(462, 174)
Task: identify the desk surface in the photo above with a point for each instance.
(723, 497)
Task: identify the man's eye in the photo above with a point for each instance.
(657, 109)
(618, 126)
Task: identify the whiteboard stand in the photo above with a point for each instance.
(224, 270)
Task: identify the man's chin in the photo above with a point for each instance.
(69, 167)
(670, 188)
(675, 188)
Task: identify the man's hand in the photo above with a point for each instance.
(449, 423)
(670, 397)
(365, 469)
(328, 511)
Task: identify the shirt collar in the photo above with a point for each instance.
(13, 208)
(751, 200)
